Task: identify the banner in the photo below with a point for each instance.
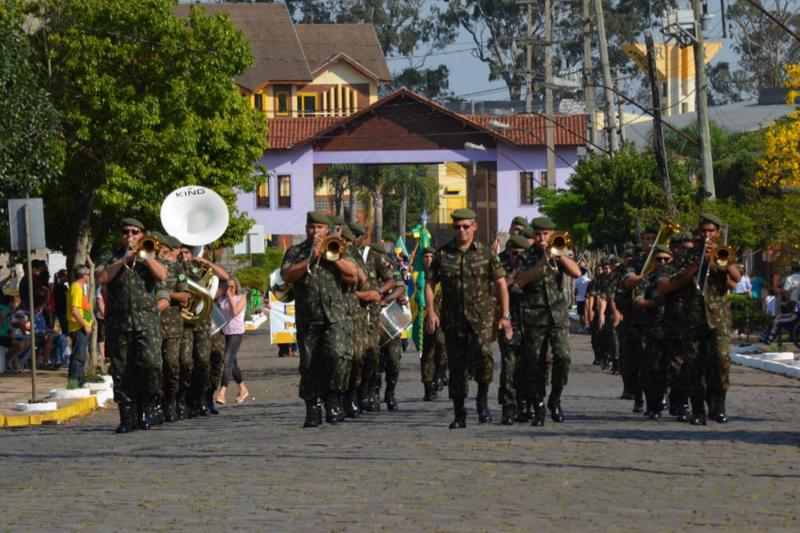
(282, 329)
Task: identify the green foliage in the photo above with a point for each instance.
(148, 104)
(610, 195)
(746, 314)
(31, 153)
(421, 191)
(254, 278)
(269, 260)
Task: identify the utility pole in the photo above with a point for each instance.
(529, 62)
(588, 77)
(702, 101)
(658, 130)
(602, 43)
(620, 109)
(550, 133)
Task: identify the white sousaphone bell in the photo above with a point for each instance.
(197, 216)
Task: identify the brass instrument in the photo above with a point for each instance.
(201, 297)
(721, 256)
(665, 231)
(559, 243)
(283, 292)
(700, 267)
(333, 247)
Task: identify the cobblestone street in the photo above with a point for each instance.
(255, 467)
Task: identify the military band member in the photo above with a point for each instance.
(134, 328)
(545, 319)
(433, 360)
(467, 270)
(321, 315)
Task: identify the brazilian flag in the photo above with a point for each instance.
(423, 237)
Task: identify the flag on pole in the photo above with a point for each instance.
(423, 237)
(400, 246)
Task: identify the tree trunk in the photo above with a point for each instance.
(377, 204)
(401, 226)
(93, 363)
(351, 213)
(338, 201)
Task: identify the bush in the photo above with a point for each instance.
(746, 314)
(267, 261)
(254, 278)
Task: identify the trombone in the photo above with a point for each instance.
(665, 231)
(721, 256)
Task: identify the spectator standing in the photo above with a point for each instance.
(232, 304)
(80, 320)
(59, 291)
(743, 285)
(581, 283)
(757, 285)
(100, 321)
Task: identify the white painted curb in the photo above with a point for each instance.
(69, 394)
(39, 407)
(94, 387)
(104, 396)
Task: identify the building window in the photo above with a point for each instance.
(684, 107)
(281, 103)
(262, 194)
(258, 101)
(284, 191)
(543, 178)
(306, 104)
(526, 186)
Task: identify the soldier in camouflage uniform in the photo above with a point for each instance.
(321, 316)
(509, 348)
(522, 383)
(134, 329)
(434, 351)
(591, 316)
(216, 366)
(614, 274)
(170, 298)
(545, 319)
(391, 288)
(359, 298)
(650, 303)
(468, 272)
(707, 342)
(599, 293)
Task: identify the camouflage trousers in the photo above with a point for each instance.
(705, 362)
(171, 365)
(135, 364)
(434, 355)
(370, 364)
(539, 365)
(216, 361)
(654, 364)
(391, 352)
(632, 349)
(196, 353)
(509, 371)
(609, 341)
(468, 354)
(324, 353)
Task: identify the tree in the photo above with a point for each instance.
(339, 178)
(31, 152)
(610, 195)
(726, 85)
(763, 47)
(430, 82)
(412, 192)
(148, 104)
(780, 166)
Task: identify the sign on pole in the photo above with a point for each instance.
(253, 242)
(16, 222)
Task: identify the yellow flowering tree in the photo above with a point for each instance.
(781, 165)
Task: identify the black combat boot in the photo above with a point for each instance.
(539, 413)
(508, 415)
(331, 414)
(180, 406)
(460, 420)
(127, 418)
(654, 404)
(313, 415)
(200, 403)
(364, 402)
(554, 404)
(376, 398)
(156, 412)
(522, 411)
(720, 416)
(212, 409)
(389, 397)
(338, 403)
(698, 416)
(144, 419)
(350, 408)
(430, 390)
(482, 404)
(445, 381)
(170, 415)
(638, 402)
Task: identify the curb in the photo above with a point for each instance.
(80, 407)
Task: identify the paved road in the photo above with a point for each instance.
(254, 467)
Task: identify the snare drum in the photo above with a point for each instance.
(394, 320)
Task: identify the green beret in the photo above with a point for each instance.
(347, 234)
(681, 236)
(378, 247)
(710, 217)
(129, 221)
(463, 214)
(518, 241)
(171, 242)
(543, 223)
(315, 217)
(650, 229)
(519, 221)
(661, 249)
(604, 262)
(613, 259)
(429, 250)
(336, 220)
(357, 229)
(527, 232)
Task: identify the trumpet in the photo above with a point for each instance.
(147, 247)
(722, 256)
(559, 243)
(333, 248)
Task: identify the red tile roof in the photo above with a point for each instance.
(526, 130)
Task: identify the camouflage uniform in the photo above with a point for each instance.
(610, 334)
(545, 319)
(466, 314)
(358, 314)
(509, 349)
(195, 351)
(593, 290)
(217, 361)
(133, 342)
(171, 332)
(631, 339)
(322, 339)
(654, 361)
(434, 351)
(372, 337)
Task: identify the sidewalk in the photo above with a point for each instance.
(16, 388)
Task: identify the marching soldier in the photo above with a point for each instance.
(434, 352)
(467, 270)
(134, 328)
(545, 319)
(509, 348)
(321, 314)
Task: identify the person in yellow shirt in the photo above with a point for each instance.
(80, 323)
